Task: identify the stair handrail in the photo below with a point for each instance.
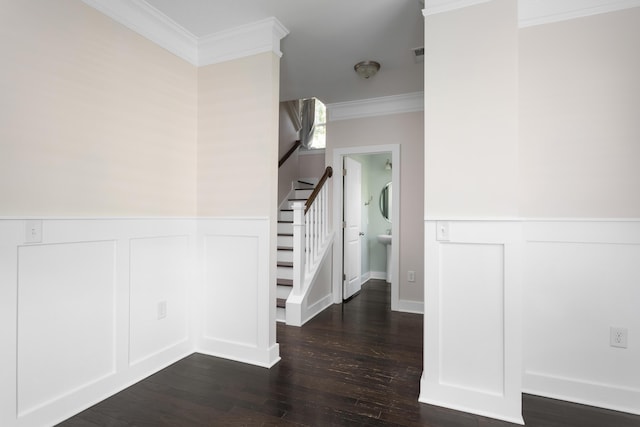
(289, 153)
(328, 173)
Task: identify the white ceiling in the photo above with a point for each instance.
(326, 39)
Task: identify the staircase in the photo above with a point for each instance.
(285, 260)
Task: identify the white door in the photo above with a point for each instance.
(352, 218)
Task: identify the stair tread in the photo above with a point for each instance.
(285, 264)
(284, 222)
(286, 210)
(297, 200)
(285, 248)
(284, 282)
(306, 183)
(281, 302)
(285, 234)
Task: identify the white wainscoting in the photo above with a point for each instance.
(237, 296)
(98, 304)
(472, 348)
(581, 278)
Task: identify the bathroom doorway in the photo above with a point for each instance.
(378, 217)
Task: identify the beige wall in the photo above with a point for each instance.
(94, 119)
(407, 130)
(311, 165)
(238, 137)
(579, 117)
(471, 112)
(287, 136)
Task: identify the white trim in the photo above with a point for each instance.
(246, 40)
(416, 307)
(433, 7)
(378, 275)
(371, 107)
(239, 42)
(525, 219)
(535, 12)
(338, 155)
(600, 395)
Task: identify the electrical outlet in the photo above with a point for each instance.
(162, 310)
(411, 276)
(618, 337)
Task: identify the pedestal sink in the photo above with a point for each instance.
(385, 239)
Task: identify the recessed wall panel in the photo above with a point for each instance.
(158, 285)
(231, 287)
(472, 316)
(66, 295)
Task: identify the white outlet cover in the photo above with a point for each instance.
(618, 337)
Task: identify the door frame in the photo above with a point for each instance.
(338, 155)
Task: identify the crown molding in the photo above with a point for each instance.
(142, 18)
(433, 7)
(536, 12)
(539, 12)
(383, 106)
(239, 42)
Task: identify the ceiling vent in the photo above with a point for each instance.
(418, 54)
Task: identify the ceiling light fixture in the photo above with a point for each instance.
(367, 69)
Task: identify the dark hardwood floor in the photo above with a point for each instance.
(357, 364)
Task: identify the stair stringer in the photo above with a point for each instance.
(299, 311)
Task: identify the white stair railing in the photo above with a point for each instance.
(310, 232)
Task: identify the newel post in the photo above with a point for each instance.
(298, 247)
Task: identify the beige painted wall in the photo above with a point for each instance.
(238, 137)
(407, 130)
(287, 136)
(579, 117)
(471, 149)
(94, 119)
(311, 165)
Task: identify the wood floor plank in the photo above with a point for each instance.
(355, 364)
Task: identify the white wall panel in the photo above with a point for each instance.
(231, 278)
(580, 279)
(473, 350)
(66, 319)
(237, 293)
(158, 275)
(73, 311)
(472, 317)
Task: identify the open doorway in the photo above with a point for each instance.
(387, 159)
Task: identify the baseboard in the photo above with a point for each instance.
(239, 352)
(316, 308)
(378, 275)
(416, 307)
(426, 397)
(583, 392)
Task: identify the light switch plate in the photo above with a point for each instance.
(442, 231)
(33, 231)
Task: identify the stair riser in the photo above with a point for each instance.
(285, 241)
(285, 216)
(286, 256)
(285, 228)
(281, 315)
(283, 291)
(285, 273)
